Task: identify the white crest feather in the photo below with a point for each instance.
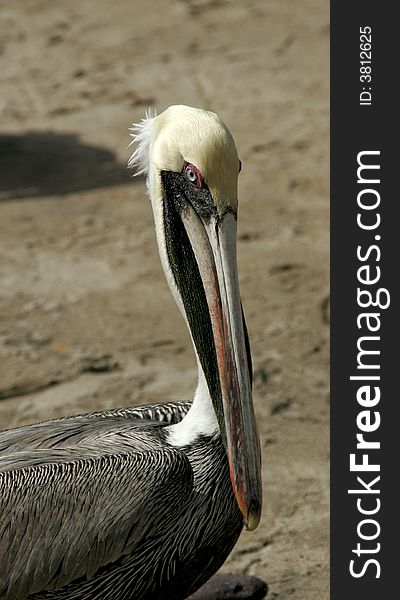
(143, 135)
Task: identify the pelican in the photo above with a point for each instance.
(147, 502)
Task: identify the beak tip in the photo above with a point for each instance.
(252, 520)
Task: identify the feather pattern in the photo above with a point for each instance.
(75, 505)
(143, 135)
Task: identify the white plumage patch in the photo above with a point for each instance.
(185, 134)
(143, 135)
(200, 420)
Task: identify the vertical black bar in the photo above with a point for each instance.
(364, 119)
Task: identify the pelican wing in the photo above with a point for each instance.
(68, 512)
(58, 432)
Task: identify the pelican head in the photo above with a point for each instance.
(192, 167)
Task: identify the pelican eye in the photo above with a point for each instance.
(193, 175)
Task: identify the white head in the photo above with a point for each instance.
(182, 134)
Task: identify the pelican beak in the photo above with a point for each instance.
(213, 241)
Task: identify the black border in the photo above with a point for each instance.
(355, 128)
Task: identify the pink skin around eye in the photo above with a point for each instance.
(199, 178)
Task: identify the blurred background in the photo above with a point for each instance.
(86, 319)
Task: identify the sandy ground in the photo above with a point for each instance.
(86, 319)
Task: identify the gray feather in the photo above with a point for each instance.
(99, 506)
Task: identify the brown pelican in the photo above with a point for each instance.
(148, 502)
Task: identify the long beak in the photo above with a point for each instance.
(214, 245)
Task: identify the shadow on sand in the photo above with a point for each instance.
(44, 164)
